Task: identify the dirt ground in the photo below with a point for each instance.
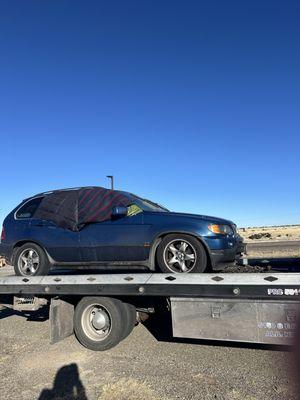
(140, 368)
(272, 242)
(278, 233)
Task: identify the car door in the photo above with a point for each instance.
(61, 244)
(114, 240)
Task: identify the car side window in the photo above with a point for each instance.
(29, 208)
(133, 209)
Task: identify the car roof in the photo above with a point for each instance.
(69, 189)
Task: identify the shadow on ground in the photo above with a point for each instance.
(40, 315)
(66, 386)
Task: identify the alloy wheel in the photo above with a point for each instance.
(180, 256)
(28, 262)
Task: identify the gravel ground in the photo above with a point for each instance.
(139, 368)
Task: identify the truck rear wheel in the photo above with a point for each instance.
(130, 318)
(100, 323)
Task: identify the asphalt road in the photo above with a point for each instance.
(279, 245)
(274, 249)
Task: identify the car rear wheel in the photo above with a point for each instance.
(181, 254)
(30, 260)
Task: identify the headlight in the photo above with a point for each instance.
(221, 229)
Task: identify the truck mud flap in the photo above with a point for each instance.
(269, 322)
(61, 320)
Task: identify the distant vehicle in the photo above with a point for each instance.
(94, 226)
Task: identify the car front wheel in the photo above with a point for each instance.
(30, 260)
(181, 254)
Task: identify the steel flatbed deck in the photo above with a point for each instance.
(234, 285)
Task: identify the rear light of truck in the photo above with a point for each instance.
(3, 234)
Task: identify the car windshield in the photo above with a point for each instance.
(147, 205)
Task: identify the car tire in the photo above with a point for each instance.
(181, 253)
(105, 331)
(37, 263)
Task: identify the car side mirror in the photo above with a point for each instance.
(119, 212)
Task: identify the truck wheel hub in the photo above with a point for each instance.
(99, 320)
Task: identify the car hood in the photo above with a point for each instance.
(208, 218)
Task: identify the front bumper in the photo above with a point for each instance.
(221, 258)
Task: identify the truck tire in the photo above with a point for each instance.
(100, 322)
(30, 260)
(180, 253)
(130, 317)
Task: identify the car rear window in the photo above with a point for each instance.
(29, 208)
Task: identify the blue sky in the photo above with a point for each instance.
(192, 104)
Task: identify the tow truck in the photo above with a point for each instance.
(102, 309)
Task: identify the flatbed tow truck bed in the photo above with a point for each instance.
(102, 309)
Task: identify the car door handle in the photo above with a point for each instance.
(40, 224)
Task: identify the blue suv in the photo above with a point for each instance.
(136, 232)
